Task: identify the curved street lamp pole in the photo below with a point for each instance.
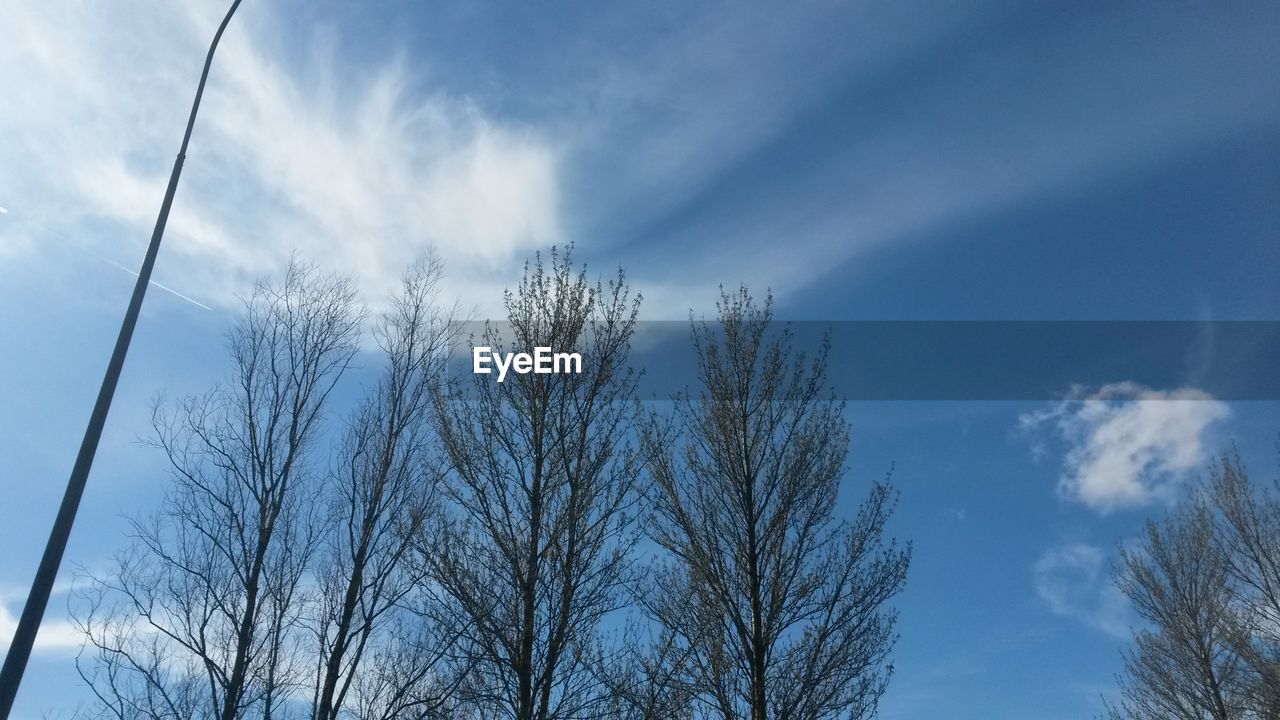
(15, 661)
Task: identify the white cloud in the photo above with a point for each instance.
(937, 157)
(346, 162)
(354, 162)
(1129, 445)
(1073, 582)
(55, 635)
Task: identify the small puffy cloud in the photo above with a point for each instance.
(1129, 445)
(1073, 582)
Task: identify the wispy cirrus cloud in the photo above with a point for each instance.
(843, 130)
(773, 177)
(1127, 445)
(351, 164)
(1073, 581)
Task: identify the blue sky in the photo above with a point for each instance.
(979, 160)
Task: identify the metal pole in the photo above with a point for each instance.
(15, 661)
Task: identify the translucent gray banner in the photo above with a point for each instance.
(981, 360)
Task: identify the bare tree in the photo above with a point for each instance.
(1206, 581)
(1182, 666)
(1248, 536)
(202, 617)
(780, 608)
(645, 675)
(374, 642)
(535, 550)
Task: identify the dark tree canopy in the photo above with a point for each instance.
(203, 616)
(1206, 583)
(535, 550)
(772, 606)
(455, 547)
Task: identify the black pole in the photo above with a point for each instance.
(15, 662)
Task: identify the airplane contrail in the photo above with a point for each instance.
(166, 288)
(109, 261)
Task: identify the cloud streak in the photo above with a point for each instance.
(779, 182)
